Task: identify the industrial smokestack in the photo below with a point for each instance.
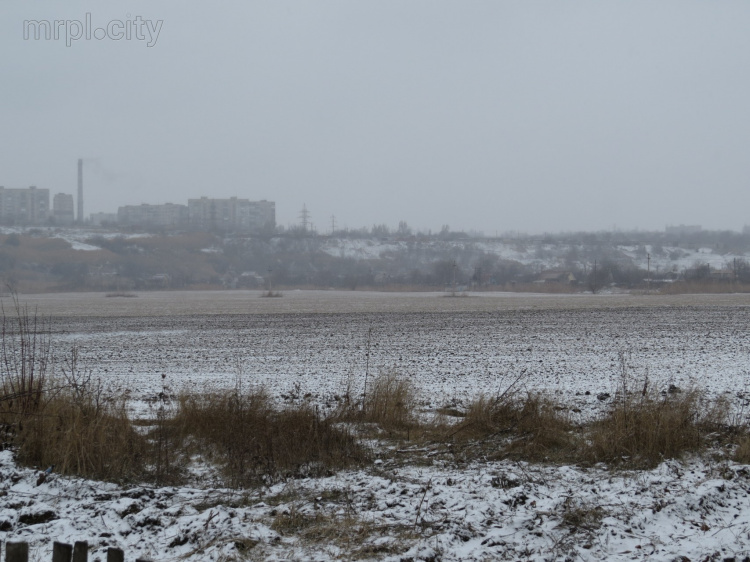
(80, 191)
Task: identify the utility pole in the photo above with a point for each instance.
(454, 278)
(593, 288)
(333, 224)
(648, 269)
(304, 217)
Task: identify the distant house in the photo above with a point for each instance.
(724, 274)
(251, 280)
(158, 281)
(557, 276)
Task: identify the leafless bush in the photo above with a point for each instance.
(25, 359)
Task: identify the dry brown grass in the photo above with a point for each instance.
(389, 402)
(85, 436)
(645, 428)
(742, 452)
(530, 426)
(254, 442)
(60, 420)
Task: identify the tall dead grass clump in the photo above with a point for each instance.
(645, 427)
(83, 436)
(390, 402)
(80, 430)
(530, 426)
(255, 443)
(59, 418)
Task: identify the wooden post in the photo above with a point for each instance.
(81, 551)
(143, 560)
(61, 552)
(17, 552)
(115, 555)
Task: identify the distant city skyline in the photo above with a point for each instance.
(483, 115)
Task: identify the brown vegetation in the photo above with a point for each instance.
(254, 442)
(645, 428)
(532, 427)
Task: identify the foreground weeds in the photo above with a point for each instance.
(255, 443)
(61, 417)
(532, 427)
(85, 437)
(645, 428)
(390, 404)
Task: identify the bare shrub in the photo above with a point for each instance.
(25, 360)
(271, 294)
(79, 430)
(579, 515)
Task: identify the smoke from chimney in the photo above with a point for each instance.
(80, 191)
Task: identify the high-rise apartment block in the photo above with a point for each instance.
(24, 206)
(169, 215)
(63, 209)
(231, 215)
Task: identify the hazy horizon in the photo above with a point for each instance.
(486, 116)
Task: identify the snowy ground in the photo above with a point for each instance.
(435, 509)
(489, 511)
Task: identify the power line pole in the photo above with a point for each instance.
(593, 288)
(304, 217)
(333, 224)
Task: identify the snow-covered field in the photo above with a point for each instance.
(311, 345)
(316, 344)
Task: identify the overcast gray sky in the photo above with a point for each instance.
(486, 115)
